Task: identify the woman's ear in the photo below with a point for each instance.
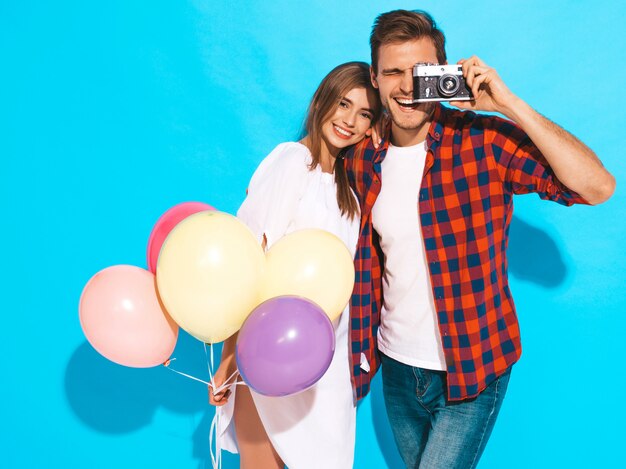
(368, 132)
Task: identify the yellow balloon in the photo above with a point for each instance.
(209, 274)
(311, 263)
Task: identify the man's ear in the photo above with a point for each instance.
(373, 77)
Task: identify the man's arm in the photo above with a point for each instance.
(573, 162)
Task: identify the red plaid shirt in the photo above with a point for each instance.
(474, 165)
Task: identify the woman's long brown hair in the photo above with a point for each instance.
(339, 82)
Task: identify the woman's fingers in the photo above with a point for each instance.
(219, 398)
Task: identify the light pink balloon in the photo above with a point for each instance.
(122, 317)
(166, 224)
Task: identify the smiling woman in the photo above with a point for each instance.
(298, 186)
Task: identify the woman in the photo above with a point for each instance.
(304, 185)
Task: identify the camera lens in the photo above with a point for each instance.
(448, 85)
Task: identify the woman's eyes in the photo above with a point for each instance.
(346, 105)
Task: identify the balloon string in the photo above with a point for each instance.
(209, 361)
(167, 363)
(216, 457)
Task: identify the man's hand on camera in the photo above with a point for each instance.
(490, 92)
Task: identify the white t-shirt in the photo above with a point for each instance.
(409, 332)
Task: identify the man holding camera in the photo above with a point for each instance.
(436, 203)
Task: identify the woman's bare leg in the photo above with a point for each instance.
(255, 449)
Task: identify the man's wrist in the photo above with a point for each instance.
(516, 110)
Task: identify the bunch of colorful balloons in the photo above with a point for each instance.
(207, 273)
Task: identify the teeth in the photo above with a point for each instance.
(343, 132)
(404, 101)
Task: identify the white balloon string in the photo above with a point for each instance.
(167, 363)
(209, 362)
(216, 458)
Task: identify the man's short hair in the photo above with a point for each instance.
(403, 25)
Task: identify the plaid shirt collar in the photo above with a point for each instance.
(435, 132)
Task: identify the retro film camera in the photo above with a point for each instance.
(433, 82)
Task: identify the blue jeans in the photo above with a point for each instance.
(432, 433)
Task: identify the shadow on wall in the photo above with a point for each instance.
(534, 256)
(114, 399)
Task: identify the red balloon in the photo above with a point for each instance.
(166, 224)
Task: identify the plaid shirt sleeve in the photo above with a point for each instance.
(522, 166)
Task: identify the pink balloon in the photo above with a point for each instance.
(122, 317)
(166, 224)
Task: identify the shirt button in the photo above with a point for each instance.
(437, 134)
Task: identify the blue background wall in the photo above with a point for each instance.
(112, 112)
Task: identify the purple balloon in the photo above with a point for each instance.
(285, 346)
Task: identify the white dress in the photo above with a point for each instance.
(314, 428)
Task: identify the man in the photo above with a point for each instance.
(436, 199)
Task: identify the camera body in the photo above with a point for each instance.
(439, 83)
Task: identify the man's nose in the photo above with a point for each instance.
(406, 85)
